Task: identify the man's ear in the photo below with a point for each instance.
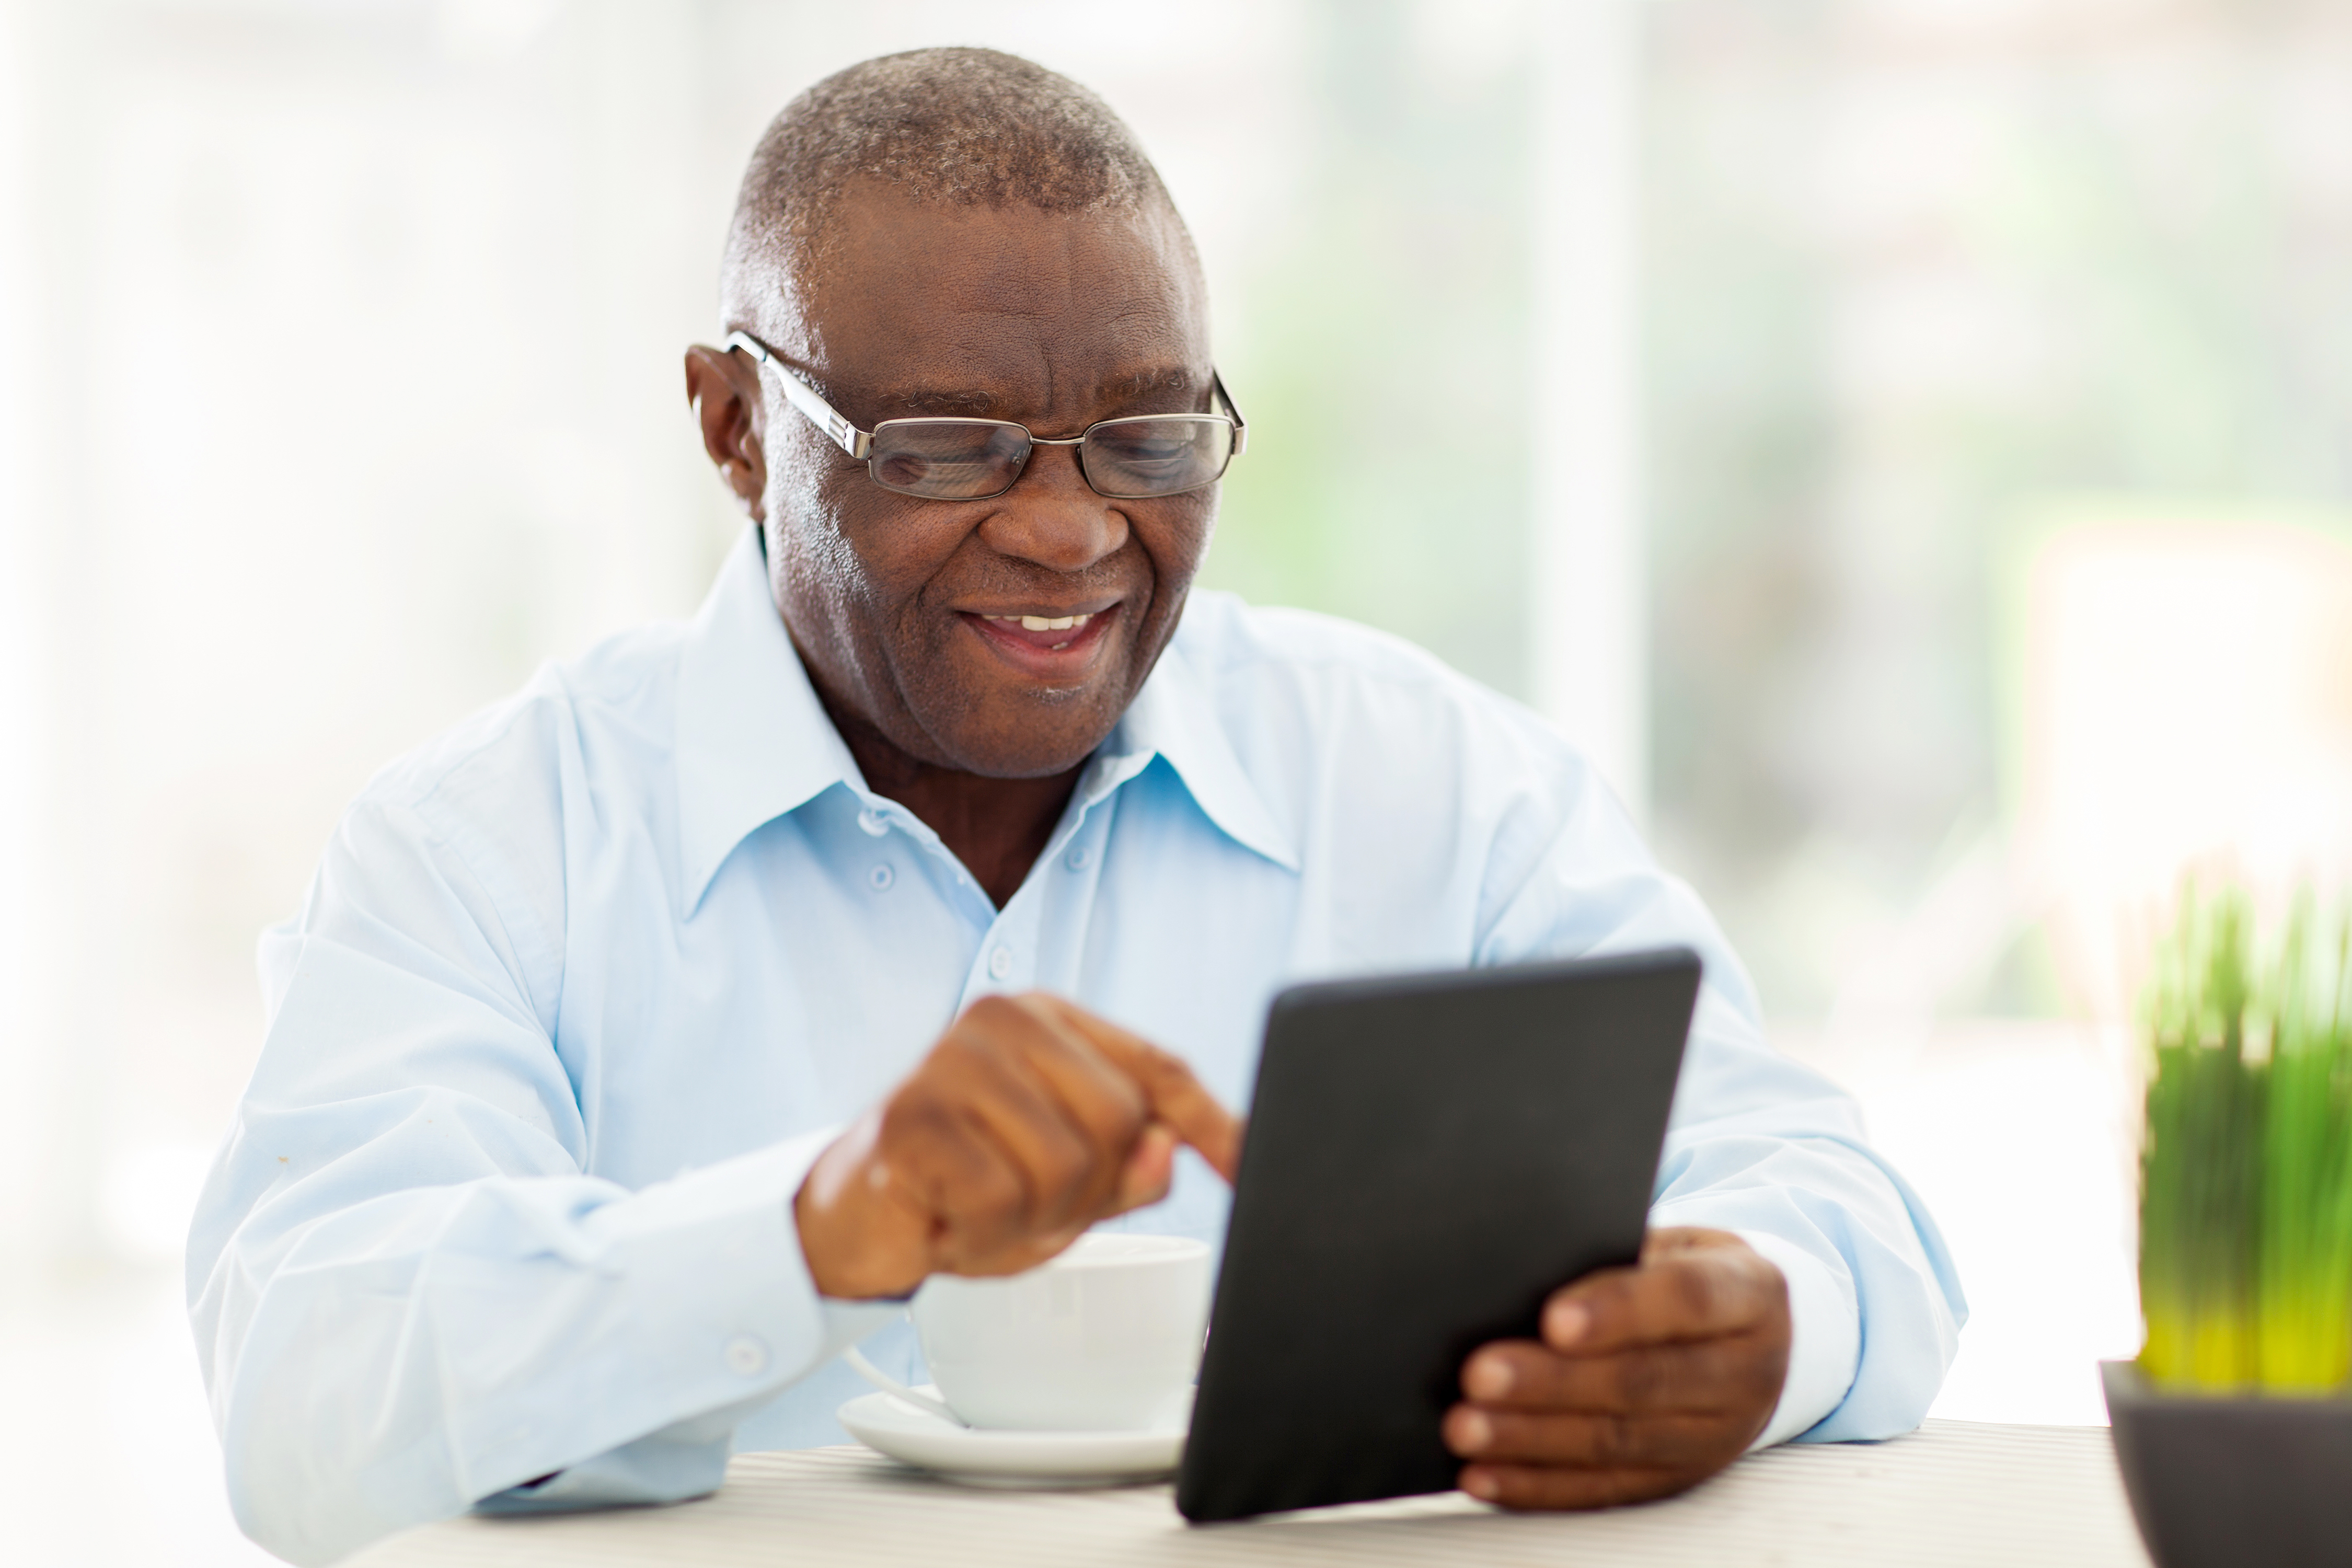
(724, 389)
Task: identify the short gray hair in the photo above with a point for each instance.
(954, 127)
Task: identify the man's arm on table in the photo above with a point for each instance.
(407, 1296)
(1650, 1378)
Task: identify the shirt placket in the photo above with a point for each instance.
(878, 819)
(1014, 951)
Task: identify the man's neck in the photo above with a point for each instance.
(997, 827)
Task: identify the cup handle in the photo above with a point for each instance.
(899, 1391)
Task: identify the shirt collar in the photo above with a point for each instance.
(1175, 716)
(753, 741)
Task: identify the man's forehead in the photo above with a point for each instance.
(937, 281)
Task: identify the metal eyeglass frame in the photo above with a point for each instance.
(859, 444)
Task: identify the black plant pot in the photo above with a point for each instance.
(2233, 1482)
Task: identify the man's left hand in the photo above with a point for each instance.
(1647, 1380)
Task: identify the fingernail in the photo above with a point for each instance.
(1566, 1322)
(1480, 1485)
(1490, 1377)
(1473, 1431)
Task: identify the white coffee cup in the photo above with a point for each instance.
(1105, 1338)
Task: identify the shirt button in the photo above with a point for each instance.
(882, 876)
(1079, 856)
(999, 963)
(873, 822)
(746, 1356)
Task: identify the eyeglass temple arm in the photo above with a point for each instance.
(858, 444)
(1241, 426)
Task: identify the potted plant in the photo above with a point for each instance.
(2234, 1427)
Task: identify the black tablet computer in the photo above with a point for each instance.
(1428, 1158)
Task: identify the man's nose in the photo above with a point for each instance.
(1050, 515)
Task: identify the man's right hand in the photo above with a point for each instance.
(1030, 1120)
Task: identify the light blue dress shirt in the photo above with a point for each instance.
(581, 989)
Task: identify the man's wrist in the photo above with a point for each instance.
(830, 1256)
(843, 1228)
(1824, 1339)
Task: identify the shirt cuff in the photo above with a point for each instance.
(707, 1270)
(1824, 1339)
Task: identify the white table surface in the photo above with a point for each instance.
(1955, 1492)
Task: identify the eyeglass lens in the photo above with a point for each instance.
(949, 459)
(973, 459)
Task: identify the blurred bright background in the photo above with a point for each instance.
(1906, 439)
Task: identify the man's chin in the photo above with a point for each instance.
(1030, 733)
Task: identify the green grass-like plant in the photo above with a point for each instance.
(2245, 1223)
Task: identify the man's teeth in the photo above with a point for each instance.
(1045, 623)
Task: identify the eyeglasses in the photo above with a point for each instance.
(1135, 458)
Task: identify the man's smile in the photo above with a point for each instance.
(1045, 641)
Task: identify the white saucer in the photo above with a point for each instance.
(995, 1458)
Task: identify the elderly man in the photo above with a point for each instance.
(641, 1040)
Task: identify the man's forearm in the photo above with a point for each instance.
(408, 1356)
